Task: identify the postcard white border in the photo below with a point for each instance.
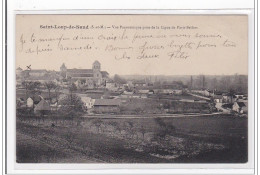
(14, 168)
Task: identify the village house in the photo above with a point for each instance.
(201, 92)
(130, 96)
(42, 107)
(228, 98)
(128, 92)
(143, 91)
(129, 84)
(35, 72)
(227, 106)
(211, 93)
(217, 98)
(139, 83)
(206, 93)
(95, 94)
(167, 91)
(106, 106)
(19, 72)
(239, 96)
(143, 96)
(33, 100)
(87, 101)
(29, 102)
(172, 85)
(111, 85)
(151, 92)
(177, 91)
(54, 106)
(240, 107)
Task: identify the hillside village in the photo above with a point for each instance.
(94, 92)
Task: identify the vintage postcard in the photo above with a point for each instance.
(131, 88)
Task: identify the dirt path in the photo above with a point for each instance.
(151, 116)
(199, 96)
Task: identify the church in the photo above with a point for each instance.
(90, 77)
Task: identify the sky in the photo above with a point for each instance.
(135, 44)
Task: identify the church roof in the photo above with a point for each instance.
(96, 62)
(63, 66)
(80, 71)
(81, 75)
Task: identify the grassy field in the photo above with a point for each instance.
(158, 106)
(145, 140)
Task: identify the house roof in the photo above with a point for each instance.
(21, 93)
(82, 95)
(42, 106)
(228, 105)
(139, 82)
(19, 68)
(241, 104)
(110, 81)
(85, 99)
(95, 95)
(107, 102)
(38, 71)
(217, 96)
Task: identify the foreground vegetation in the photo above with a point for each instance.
(144, 140)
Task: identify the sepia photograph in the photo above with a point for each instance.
(131, 88)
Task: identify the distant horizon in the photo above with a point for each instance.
(144, 74)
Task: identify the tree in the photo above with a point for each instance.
(72, 88)
(97, 123)
(32, 87)
(57, 92)
(191, 82)
(232, 92)
(142, 130)
(71, 106)
(83, 81)
(119, 79)
(49, 86)
(74, 101)
(202, 81)
(25, 85)
(130, 128)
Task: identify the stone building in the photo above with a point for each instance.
(90, 77)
